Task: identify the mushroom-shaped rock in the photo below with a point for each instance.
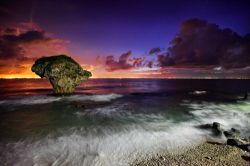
(62, 71)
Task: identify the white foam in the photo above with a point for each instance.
(152, 134)
(31, 100)
(96, 98)
(43, 99)
(229, 115)
(198, 92)
(112, 149)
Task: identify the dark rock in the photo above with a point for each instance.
(216, 125)
(235, 130)
(62, 71)
(246, 157)
(245, 96)
(235, 134)
(232, 133)
(79, 105)
(206, 126)
(217, 130)
(234, 142)
(245, 147)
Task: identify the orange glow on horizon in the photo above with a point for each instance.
(13, 72)
(95, 74)
(13, 76)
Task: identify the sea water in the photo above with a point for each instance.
(112, 122)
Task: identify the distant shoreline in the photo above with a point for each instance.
(140, 78)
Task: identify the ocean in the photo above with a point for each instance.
(112, 122)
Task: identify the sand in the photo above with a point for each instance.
(206, 154)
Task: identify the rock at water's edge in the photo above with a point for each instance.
(62, 71)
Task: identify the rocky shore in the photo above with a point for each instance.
(223, 147)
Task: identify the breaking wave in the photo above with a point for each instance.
(111, 149)
(119, 145)
(44, 99)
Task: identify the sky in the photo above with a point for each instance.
(129, 38)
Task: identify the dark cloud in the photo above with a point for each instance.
(201, 43)
(136, 62)
(165, 60)
(154, 50)
(11, 41)
(121, 64)
(32, 36)
(10, 31)
(21, 44)
(149, 64)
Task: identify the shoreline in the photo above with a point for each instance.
(204, 154)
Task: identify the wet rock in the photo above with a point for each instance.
(237, 142)
(62, 71)
(206, 126)
(235, 134)
(78, 105)
(245, 147)
(246, 157)
(232, 133)
(245, 96)
(217, 130)
(215, 127)
(234, 142)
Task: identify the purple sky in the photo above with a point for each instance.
(105, 27)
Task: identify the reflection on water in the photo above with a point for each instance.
(113, 121)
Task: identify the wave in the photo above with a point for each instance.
(112, 149)
(96, 98)
(44, 99)
(197, 92)
(118, 145)
(229, 115)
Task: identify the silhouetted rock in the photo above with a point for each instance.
(215, 127)
(62, 71)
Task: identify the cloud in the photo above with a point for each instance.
(149, 64)
(11, 44)
(165, 60)
(121, 64)
(154, 50)
(21, 45)
(201, 43)
(136, 62)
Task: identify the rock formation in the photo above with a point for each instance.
(62, 71)
(233, 136)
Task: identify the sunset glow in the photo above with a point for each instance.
(111, 48)
(124, 82)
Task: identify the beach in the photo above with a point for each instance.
(206, 154)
